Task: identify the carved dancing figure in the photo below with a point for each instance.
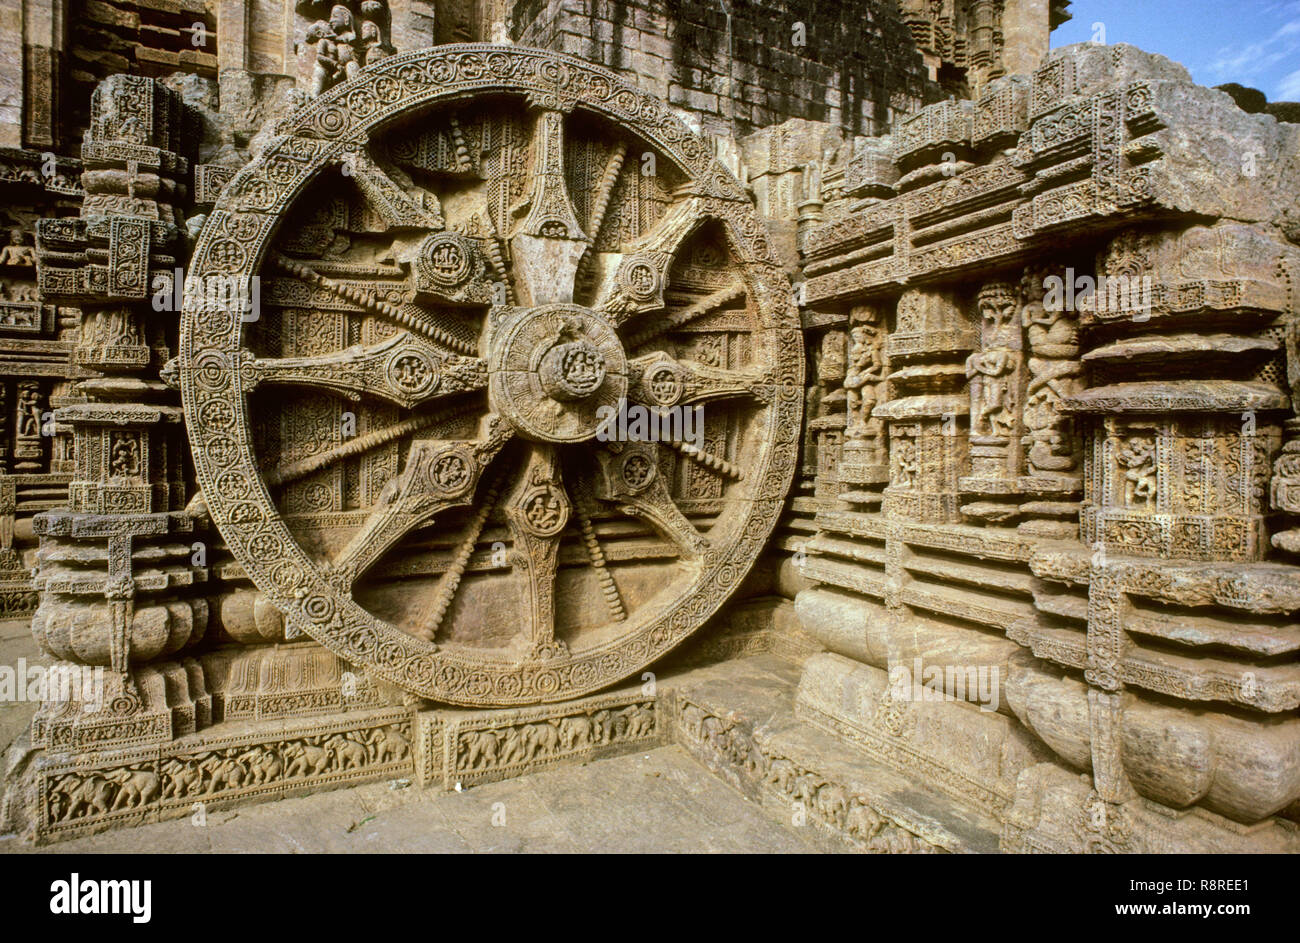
(125, 460)
(866, 368)
(993, 408)
(906, 467)
(1138, 457)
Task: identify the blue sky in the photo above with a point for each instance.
(1254, 42)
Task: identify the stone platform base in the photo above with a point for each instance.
(810, 740)
(53, 797)
(336, 741)
(739, 720)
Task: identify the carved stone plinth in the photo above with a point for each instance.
(456, 749)
(55, 796)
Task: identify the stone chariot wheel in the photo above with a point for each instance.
(492, 382)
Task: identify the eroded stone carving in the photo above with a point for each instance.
(552, 358)
(1117, 377)
(1049, 437)
(346, 42)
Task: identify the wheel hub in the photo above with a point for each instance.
(553, 368)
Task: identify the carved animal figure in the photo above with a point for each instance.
(603, 721)
(513, 746)
(575, 731)
(87, 796)
(833, 804)
(180, 778)
(541, 739)
(304, 759)
(640, 720)
(224, 772)
(863, 823)
(478, 745)
(618, 725)
(348, 753)
(389, 745)
(782, 774)
(136, 787)
(805, 790)
(263, 765)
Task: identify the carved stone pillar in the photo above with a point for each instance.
(865, 457)
(927, 413)
(1285, 488)
(996, 375)
(826, 423)
(114, 566)
(1051, 479)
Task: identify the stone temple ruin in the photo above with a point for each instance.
(313, 315)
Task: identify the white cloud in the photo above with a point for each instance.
(1258, 62)
(1288, 89)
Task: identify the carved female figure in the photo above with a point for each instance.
(327, 70)
(866, 368)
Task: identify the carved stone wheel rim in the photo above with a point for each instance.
(215, 376)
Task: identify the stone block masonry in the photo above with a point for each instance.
(750, 65)
(987, 535)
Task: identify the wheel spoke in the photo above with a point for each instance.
(390, 200)
(410, 316)
(600, 205)
(538, 511)
(293, 471)
(659, 380)
(605, 189)
(431, 620)
(629, 476)
(596, 554)
(402, 370)
(439, 474)
(637, 285)
(548, 243)
(713, 463)
(671, 322)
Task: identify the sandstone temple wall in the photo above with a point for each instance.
(1086, 496)
(746, 66)
(989, 537)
